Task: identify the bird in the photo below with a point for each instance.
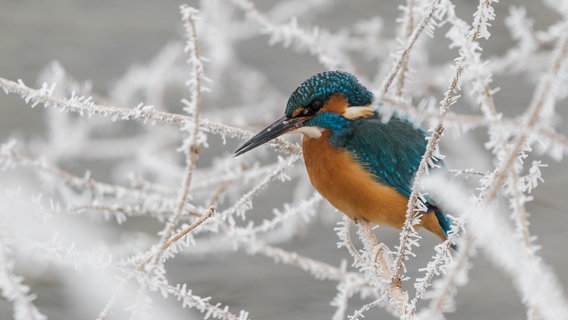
(362, 165)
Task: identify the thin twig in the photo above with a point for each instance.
(522, 230)
(311, 41)
(368, 306)
(194, 225)
(508, 124)
(426, 20)
(178, 236)
(85, 107)
(408, 28)
(449, 282)
(542, 95)
(128, 211)
(111, 301)
(85, 183)
(192, 150)
(521, 213)
(379, 263)
(215, 196)
(246, 198)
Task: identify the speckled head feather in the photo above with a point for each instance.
(323, 85)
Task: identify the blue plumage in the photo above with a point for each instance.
(330, 120)
(323, 85)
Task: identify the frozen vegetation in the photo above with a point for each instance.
(173, 192)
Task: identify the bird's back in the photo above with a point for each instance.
(391, 151)
(367, 168)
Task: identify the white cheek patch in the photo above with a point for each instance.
(311, 132)
(358, 112)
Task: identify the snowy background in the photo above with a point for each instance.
(73, 244)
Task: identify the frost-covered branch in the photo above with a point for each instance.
(189, 300)
(467, 41)
(126, 194)
(407, 33)
(495, 237)
(192, 144)
(402, 57)
(291, 32)
(85, 106)
(542, 106)
(13, 290)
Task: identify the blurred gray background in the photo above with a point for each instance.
(101, 40)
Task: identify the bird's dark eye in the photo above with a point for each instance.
(314, 107)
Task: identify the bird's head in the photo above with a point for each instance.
(309, 106)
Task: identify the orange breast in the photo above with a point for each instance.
(352, 189)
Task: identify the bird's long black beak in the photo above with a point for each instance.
(276, 129)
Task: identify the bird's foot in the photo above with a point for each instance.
(361, 219)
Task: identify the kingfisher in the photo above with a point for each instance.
(362, 165)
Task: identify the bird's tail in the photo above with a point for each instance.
(445, 224)
(437, 223)
(443, 221)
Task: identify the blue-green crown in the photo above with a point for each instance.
(323, 85)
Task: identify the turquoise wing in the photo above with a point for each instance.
(392, 151)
